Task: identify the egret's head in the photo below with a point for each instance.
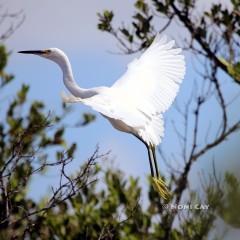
(53, 54)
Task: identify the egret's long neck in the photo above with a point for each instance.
(68, 79)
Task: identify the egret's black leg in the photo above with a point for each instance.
(158, 184)
(155, 160)
(150, 158)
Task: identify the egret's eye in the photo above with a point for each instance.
(48, 51)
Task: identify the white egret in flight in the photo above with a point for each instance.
(135, 103)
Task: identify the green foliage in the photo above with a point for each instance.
(105, 21)
(229, 208)
(5, 78)
(142, 26)
(3, 58)
(116, 212)
(233, 70)
(225, 196)
(87, 118)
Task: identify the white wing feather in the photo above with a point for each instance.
(145, 91)
(152, 81)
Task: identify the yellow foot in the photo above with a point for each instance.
(160, 186)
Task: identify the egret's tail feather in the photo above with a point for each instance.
(160, 186)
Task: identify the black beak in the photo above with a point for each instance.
(37, 52)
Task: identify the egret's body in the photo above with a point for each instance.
(135, 103)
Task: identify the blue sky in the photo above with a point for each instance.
(71, 26)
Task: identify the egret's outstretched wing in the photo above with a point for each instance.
(151, 82)
(150, 86)
(145, 91)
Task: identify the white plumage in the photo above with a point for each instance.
(144, 92)
(136, 102)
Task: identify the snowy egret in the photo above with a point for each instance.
(136, 102)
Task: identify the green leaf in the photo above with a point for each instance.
(142, 6)
(3, 57)
(71, 150)
(22, 94)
